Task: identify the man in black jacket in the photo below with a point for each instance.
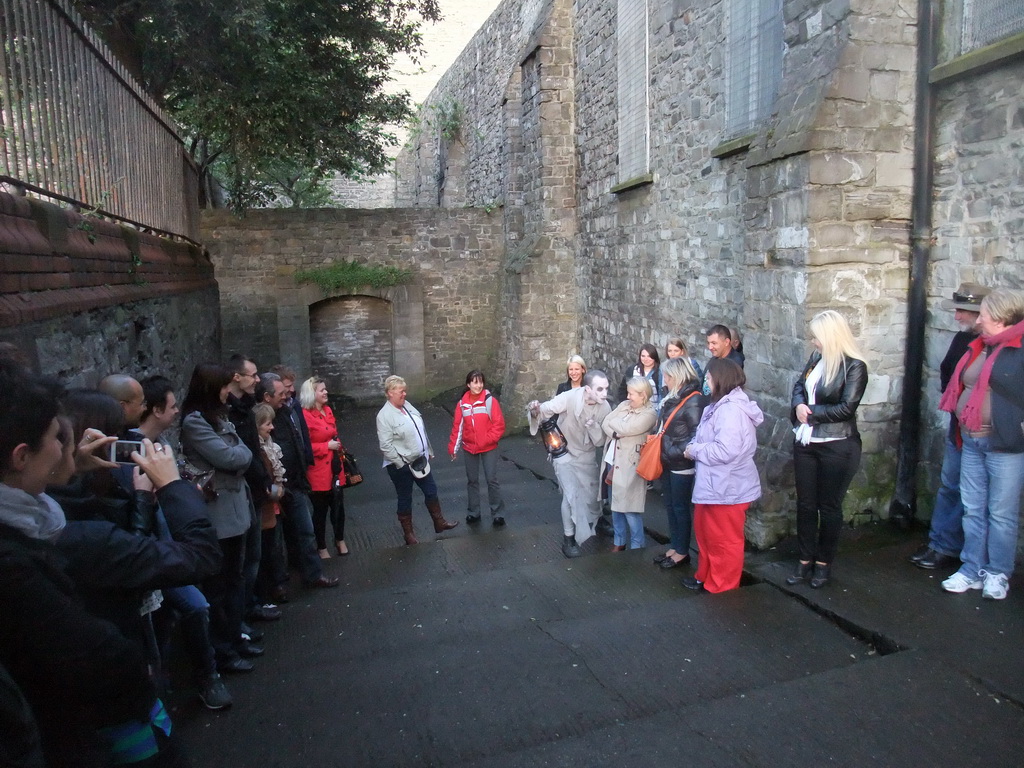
(946, 533)
(241, 400)
(296, 508)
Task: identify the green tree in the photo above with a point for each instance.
(260, 85)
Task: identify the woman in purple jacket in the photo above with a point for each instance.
(727, 480)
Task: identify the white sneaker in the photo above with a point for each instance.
(996, 586)
(960, 583)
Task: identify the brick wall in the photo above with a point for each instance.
(84, 297)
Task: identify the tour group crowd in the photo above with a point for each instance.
(117, 543)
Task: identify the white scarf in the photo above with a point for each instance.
(803, 432)
(38, 517)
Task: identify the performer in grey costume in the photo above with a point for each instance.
(582, 411)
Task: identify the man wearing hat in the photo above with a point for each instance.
(946, 533)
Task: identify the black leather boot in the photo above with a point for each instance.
(569, 547)
(802, 572)
(822, 571)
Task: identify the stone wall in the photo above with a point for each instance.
(84, 297)
(444, 321)
(812, 214)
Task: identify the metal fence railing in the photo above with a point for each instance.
(78, 128)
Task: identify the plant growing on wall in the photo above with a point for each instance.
(445, 117)
(351, 275)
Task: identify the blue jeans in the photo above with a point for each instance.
(297, 511)
(678, 490)
(990, 486)
(635, 522)
(946, 534)
(403, 479)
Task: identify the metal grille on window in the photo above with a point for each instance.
(987, 21)
(633, 118)
(754, 62)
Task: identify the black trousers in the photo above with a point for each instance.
(823, 475)
(225, 592)
(332, 504)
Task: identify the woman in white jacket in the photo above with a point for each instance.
(407, 453)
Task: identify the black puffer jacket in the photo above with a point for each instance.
(834, 413)
(112, 568)
(77, 671)
(681, 429)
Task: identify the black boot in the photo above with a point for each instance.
(569, 547)
(803, 571)
(822, 571)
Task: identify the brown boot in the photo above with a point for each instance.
(440, 524)
(406, 521)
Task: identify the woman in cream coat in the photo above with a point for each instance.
(627, 428)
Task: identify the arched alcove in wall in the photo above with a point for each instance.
(351, 340)
(329, 333)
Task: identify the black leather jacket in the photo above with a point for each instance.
(834, 413)
(681, 429)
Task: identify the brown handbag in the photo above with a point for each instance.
(649, 466)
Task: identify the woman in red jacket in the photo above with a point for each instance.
(477, 427)
(326, 476)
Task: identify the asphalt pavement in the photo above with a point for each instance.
(485, 647)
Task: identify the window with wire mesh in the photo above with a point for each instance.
(633, 122)
(988, 21)
(753, 62)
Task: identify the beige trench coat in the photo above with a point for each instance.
(629, 490)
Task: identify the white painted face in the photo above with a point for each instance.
(597, 392)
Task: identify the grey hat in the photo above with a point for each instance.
(967, 297)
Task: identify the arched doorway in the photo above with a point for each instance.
(352, 346)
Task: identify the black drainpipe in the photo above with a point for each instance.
(904, 502)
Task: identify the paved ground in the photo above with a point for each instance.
(487, 648)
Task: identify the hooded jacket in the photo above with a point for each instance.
(480, 430)
(723, 450)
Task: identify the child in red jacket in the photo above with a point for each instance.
(477, 427)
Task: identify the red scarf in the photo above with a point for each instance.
(971, 415)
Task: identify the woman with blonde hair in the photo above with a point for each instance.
(985, 394)
(826, 451)
(575, 368)
(403, 441)
(326, 476)
(627, 428)
(680, 415)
